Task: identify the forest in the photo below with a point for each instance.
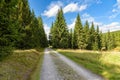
(19, 27)
(87, 36)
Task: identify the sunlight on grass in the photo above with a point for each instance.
(111, 59)
(104, 64)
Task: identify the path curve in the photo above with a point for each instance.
(58, 67)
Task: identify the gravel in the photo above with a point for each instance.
(58, 67)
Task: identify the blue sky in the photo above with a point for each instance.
(105, 13)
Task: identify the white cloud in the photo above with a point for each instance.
(82, 7)
(52, 9)
(47, 29)
(90, 19)
(114, 26)
(116, 10)
(72, 7)
(114, 15)
(118, 3)
(71, 26)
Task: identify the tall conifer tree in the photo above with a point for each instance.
(86, 34)
(60, 31)
(78, 33)
(8, 26)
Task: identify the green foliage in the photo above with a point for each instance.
(78, 34)
(109, 40)
(59, 33)
(70, 39)
(19, 28)
(31, 31)
(86, 35)
(83, 37)
(8, 26)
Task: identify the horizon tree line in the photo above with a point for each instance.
(81, 37)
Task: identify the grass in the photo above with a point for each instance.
(36, 74)
(104, 64)
(21, 65)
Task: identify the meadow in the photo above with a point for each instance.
(106, 64)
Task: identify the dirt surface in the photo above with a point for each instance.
(58, 67)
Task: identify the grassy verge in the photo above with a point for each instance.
(20, 65)
(36, 73)
(104, 64)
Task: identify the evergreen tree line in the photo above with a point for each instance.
(109, 40)
(19, 27)
(82, 37)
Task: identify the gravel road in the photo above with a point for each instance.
(58, 67)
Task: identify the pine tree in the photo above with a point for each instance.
(23, 14)
(50, 34)
(8, 26)
(86, 34)
(97, 43)
(41, 35)
(78, 36)
(54, 36)
(99, 36)
(104, 42)
(92, 37)
(60, 31)
(110, 41)
(70, 39)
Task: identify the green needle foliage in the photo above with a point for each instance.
(8, 26)
(19, 27)
(82, 36)
(59, 32)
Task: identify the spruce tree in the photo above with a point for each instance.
(110, 41)
(60, 31)
(41, 34)
(86, 34)
(97, 43)
(78, 34)
(50, 34)
(92, 37)
(104, 42)
(8, 26)
(24, 17)
(70, 39)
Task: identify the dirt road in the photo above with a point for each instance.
(58, 67)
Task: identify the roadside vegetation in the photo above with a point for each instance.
(105, 64)
(19, 27)
(21, 65)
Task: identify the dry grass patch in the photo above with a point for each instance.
(20, 65)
